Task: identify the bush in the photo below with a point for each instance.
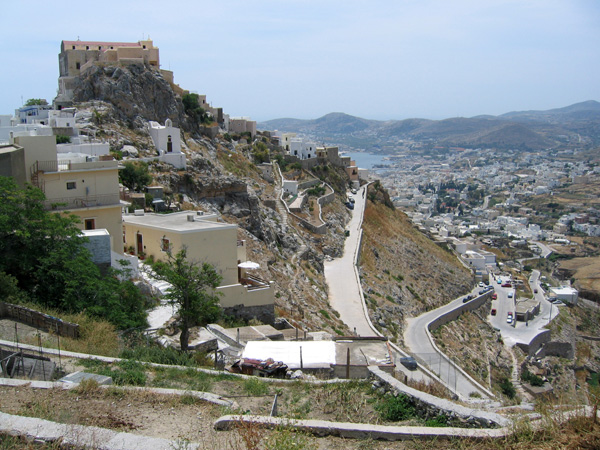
(531, 378)
(395, 408)
(507, 388)
(62, 139)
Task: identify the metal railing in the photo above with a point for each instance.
(251, 282)
(89, 201)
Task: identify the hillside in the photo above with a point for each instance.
(527, 130)
(403, 273)
(221, 177)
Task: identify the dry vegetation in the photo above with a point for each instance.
(477, 347)
(404, 273)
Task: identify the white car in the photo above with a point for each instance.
(481, 284)
(510, 294)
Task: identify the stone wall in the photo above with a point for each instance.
(555, 348)
(308, 183)
(39, 320)
(264, 313)
(430, 407)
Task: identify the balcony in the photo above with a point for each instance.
(89, 201)
(251, 282)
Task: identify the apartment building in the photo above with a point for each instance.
(206, 240)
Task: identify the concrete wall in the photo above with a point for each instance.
(536, 343)
(454, 314)
(12, 163)
(109, 218)
(37, 148)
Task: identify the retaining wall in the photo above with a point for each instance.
(309, 183)
(431, 407)
(561, 349)
(39, 320)
(456, 313)
(536, 343)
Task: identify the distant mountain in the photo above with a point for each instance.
(584, 111)
(532, 130)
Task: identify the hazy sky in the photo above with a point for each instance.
(375, 59)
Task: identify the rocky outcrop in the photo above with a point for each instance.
(137, 92)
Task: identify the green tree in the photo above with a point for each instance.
(192, 108)
(62, 139)
(192, 289)
(135, 175)
(35, 101)
(260, 152)
(44, 260)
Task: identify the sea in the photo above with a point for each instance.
(366, 160)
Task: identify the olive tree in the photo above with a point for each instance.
(192, 290)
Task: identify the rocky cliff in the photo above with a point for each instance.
(137, 92)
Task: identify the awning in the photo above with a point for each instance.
(248, 265)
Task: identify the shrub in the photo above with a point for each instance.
(254, 386)
(507, 388)
(395, 408)
(62, 139)
(531, 378)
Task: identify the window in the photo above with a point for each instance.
(78, 66)
(164, 244)
(90, 224)
(73, 47)
(87, 47)
(71, 185)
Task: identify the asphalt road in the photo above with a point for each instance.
(342, 277)
(520, 332)
(416, 339)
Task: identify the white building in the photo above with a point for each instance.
(566, 294)
(167, 141)
(302, 149)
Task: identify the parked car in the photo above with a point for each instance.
(409, 362)
(535, 291)
(509, 318)
(507, 285)
(349, 205)
(493, 311)
(481, 284)
(510, 294)
(353, 191)
(494, 296)
(499, 281)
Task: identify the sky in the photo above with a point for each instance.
(383, 60)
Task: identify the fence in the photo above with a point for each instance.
(39, 320)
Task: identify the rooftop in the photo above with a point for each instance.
(178, 222)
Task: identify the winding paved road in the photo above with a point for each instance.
(417, 340)
(342, 276)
